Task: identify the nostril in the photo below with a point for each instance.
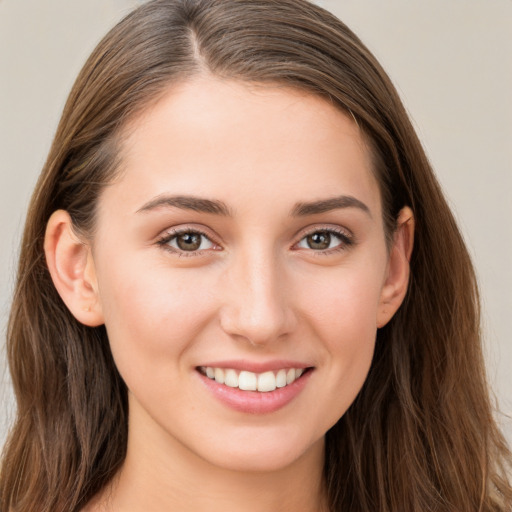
(258, 327)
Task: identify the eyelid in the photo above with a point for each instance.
(346, 236)
(166, 236)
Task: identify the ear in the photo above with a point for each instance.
(71, 266)
(398, 269)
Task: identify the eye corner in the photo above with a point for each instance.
(195, 242)
(324, 243)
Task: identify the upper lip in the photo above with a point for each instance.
(256, 367)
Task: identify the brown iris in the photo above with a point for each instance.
(188, 241)
(320, 240)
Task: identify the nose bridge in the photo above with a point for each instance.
(257, 306)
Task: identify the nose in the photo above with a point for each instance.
(257, 306)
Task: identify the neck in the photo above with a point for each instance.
(161, 475)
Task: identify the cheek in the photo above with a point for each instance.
(151, 316)
(351, 328)
(343, 303)
(343, 315)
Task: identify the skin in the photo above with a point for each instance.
(255, 291)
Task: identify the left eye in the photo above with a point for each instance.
(189, 241)
(322, 241)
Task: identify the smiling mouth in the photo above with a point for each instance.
(250, 381)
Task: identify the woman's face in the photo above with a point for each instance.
(242, 243)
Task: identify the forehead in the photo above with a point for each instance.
(228, 139)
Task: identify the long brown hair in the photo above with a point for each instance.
(420, 436)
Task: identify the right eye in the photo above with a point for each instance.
(187, 242)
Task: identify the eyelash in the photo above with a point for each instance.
(346, 241)
(174, 234)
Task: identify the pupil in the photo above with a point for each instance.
(189, 241)
(320, 240)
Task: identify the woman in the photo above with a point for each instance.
(241, 287)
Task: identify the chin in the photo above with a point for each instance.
(265, 455)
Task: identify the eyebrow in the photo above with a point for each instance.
(196, 204)
(327, 205)
(199, 204)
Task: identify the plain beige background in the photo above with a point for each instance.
(450, 59)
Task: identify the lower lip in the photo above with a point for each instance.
(256, 402)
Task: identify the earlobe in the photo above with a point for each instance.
(398, 270)
(71, 267)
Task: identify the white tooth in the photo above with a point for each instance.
(298, 372)
(210, 372)
(266, 381)
(247, 381)
(290, 376)
(219, 375)
(281, 379)
(231, 379)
